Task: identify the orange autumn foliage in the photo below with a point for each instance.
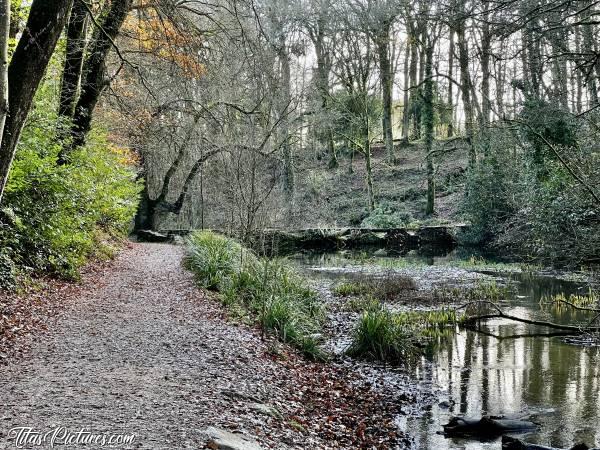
(167, 42)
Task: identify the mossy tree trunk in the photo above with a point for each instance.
(369, 170)
(386, 81)
(428, 124)
(405, 110)
(451, 51)
(465, 88)
(367, 151)
(323, 57)
(74, 57)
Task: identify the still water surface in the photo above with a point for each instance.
(503, 371)
(495, 372)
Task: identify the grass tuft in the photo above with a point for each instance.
(380, 335)
(266, 290)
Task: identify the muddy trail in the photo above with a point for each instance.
(140, 350)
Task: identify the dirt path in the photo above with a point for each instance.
(142, 351)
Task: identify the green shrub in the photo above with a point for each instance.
(54, 217)
(267, 290)
(362, 304)
(385, 216)
(523, 200)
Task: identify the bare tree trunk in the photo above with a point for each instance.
(589, 48)
(451, 84)
(413, 82)
(465, 88)
(532, 48)
(577, 74)
(4, 38)
(323, 69)
(71, 79)
(558, 42)
(45, 23)
(288, 163)
(405, 106)
(486, 49)
(386, 79)
(428, 113)
(370, 193)
(500, 67)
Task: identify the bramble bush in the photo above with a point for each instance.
(52, 217)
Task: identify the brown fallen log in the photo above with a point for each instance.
(510, 443)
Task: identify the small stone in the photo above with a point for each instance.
(225, 440)
(267, 410)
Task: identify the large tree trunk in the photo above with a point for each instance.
(369, 174)
(74, 56)
(405, 108)
(386, 80)
(413, 82)
(486, 50)
(451, 84)
(322, 82)
(465, 88)
(558, 41)
(45, 23)
(589, 49)
(94, 73)
(4, 38)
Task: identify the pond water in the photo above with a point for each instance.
(505, 369)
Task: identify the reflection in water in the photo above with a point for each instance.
(554, 383)
(543, 377)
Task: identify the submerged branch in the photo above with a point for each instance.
(499, 314)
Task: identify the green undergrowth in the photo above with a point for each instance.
(54, 218)
(472, 263)
(261, 289)
(482, 290)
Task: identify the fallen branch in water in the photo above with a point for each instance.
(510, 443)
(502, 315)
(526, 335)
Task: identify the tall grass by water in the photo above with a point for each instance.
(261, 289)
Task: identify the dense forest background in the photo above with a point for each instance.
(245, 114)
